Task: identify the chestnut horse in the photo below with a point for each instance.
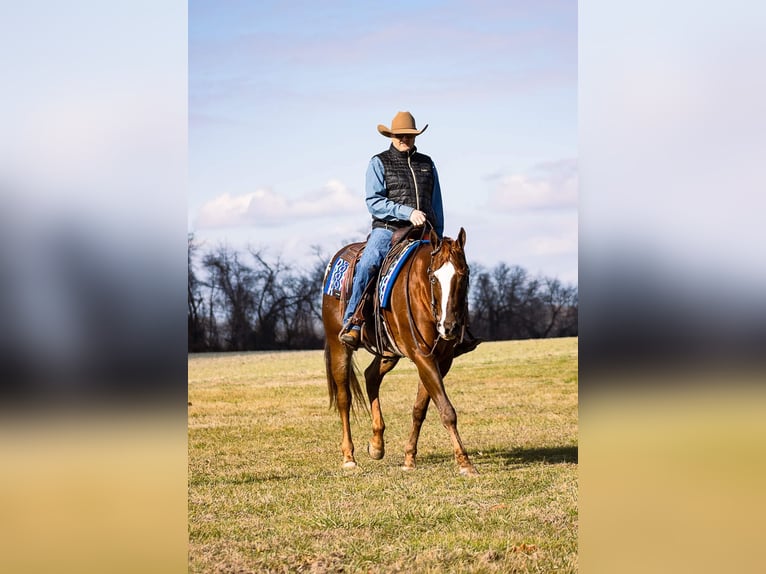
(425, 319)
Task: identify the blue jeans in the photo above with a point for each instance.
(374, 252)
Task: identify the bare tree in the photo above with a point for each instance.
(232, 292)
(202, 332)
(507, 304)
(271, 300)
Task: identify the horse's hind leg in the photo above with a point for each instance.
(418, 416)
(339, 366)
(373, 376)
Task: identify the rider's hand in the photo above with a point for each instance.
(417, 218)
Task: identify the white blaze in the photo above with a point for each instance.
(444, 275)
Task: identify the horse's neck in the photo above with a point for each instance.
(419, 280)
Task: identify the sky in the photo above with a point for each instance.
(285, 99)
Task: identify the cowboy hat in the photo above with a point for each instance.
(403, 123)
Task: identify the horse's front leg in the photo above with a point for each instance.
(431, 378)
(373, 376)
(419, 411)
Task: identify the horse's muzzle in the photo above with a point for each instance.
(449, 330)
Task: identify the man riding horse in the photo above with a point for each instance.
(402, 190)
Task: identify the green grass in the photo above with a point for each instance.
(267, 493)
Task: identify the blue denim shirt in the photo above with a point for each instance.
(383, 208)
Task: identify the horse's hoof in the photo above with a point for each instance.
(375, 453)
(349, 464)
(405, 467)
(468, 471)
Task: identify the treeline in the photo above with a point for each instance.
(243, 302)
(506, 303)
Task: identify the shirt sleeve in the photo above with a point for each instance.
(436, 204)
(376, 195)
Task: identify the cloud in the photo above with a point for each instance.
(547, 186)
(545, 245)
(266, 207)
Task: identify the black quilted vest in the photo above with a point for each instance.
(409, 180)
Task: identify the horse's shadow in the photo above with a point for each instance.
(518, 456)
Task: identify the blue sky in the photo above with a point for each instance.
(285, 97)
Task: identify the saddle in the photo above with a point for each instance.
(338, 279)
(376, 295)
(409, 232)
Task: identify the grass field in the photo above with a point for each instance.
(267, 493)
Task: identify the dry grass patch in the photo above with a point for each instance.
(267, 494)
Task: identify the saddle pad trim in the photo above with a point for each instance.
(386, 283)
(335, 277)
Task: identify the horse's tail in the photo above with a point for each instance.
(348, 370)
(332, 388)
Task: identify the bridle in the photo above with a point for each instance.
(414, 331)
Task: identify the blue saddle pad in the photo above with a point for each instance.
(335, 276)
(386, 283)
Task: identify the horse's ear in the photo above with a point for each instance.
(461, 238)
(433, 238)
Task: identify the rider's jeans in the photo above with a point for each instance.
(374, 252)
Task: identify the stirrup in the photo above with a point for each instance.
(351, 338)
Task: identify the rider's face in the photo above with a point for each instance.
(403, 142)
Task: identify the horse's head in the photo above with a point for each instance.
(448, 274)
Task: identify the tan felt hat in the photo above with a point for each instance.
(403, 123)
